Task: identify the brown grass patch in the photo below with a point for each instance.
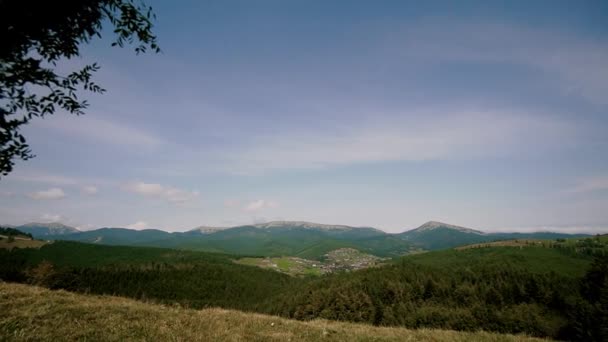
(20, 243)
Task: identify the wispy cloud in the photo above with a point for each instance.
(55, 179)
(580, 63)
(43, 178)
(139, 225)
(91, 127)
(50, 194)
(413, 136)
(90, 190)
(52, 218)
(260, 204)
(590, 185)
(155, 190)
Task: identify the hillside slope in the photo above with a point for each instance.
(33, 313)
(435, 235)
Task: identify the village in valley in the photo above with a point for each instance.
(339, 260)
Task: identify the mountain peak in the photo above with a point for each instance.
(431, 225)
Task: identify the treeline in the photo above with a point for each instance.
(12, 232)
(596, 246)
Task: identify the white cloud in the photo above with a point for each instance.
(90, 189)
(260, 204)
(50, 194)
(139, 225)
(171, 194)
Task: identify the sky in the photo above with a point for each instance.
(486, 114)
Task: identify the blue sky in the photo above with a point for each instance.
(486, 114)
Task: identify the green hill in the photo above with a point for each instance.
(192, 278)
(33, 313)
(533, 259)
(534, 290)
(435, 235)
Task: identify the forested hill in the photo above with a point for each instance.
(542, 291)
(435, 235)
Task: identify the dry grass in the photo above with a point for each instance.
(20, 243)
(29, 313)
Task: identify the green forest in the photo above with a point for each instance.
(552, 292)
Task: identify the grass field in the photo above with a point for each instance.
(288, 265)
(19, 242)
(30, 313)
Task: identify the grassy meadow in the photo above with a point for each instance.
(30, 313)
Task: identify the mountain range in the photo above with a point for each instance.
(293, 238)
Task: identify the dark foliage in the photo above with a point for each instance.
(35, 35)
(6, 231)
(191, 279)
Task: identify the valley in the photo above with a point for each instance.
(528, 286)
(339, 260)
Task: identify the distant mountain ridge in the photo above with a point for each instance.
(431, 225)
(306, 225)
(47, 229)
(277, 238)
(289, 238)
